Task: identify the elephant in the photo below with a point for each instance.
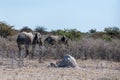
(55, 39)
(67, 61)
(28, 39)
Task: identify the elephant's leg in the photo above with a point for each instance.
(33, 49)
(42, 55)
(19, 53)
(20, 61)
(26, 50)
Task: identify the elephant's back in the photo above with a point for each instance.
(23, 39)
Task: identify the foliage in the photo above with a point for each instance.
(106, 37)
(92, 30)
(112, 30)
(73, 34)
(40, 29)
(97, 35)
(26, 29)
(6, 30)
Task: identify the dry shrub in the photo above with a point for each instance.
(97, 49)
(8, 52)
(86, 48)
(7, 48)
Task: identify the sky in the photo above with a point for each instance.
(82, 15)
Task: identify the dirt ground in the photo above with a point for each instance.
(33, 70)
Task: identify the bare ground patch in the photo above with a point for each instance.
(33, 70)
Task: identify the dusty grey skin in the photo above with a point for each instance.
(28, 39)
(55, 39)
(67, 61)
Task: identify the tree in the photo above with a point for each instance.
(26, 29)
(40, 29)
(112, 30)
(92, 31)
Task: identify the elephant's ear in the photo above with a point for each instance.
(35, 39)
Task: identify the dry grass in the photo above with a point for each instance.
(86, 48)
(88, 70)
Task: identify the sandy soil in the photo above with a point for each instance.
(32, 70)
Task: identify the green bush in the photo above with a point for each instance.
(73, 34)
(106, 37)
(6, 30)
